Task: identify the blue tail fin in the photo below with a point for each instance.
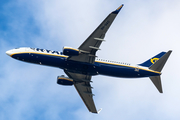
(152, 60)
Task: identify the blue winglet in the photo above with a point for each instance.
(118, 9)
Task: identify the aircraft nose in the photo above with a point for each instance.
(9, 52)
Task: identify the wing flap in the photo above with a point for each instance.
(93, 42)
(99, 32)
(86, 95)
(83, 87)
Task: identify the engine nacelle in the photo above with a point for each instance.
(64, 81)
(70, 51)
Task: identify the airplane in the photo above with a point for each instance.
(82, 63)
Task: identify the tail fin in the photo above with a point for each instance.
(152, 60)
(158, 66)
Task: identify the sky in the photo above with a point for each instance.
(141, 30)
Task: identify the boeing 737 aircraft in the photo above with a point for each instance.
(82, 63)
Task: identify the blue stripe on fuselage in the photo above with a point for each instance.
(104, 68)
(59, 61)
(40, 58)
(118, 70)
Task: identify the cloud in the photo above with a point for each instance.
(141, 30)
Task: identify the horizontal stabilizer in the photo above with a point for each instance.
(158, 66)
(157, 82)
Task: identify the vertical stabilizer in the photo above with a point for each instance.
(152, 60)
(157, 82)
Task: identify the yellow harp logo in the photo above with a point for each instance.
(153, 60)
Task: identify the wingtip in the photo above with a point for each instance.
(118, 9)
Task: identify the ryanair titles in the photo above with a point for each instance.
(47, 51)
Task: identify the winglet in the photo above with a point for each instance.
(118, 9)
(99, 110)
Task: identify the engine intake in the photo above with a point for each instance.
(61, 80)
(70, 51)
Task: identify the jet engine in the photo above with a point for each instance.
(61, 80)
(70, 51)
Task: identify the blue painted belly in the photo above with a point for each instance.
(123, 71)
(84, 68)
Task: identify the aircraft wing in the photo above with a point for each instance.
(83, 87)
(89, 47)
